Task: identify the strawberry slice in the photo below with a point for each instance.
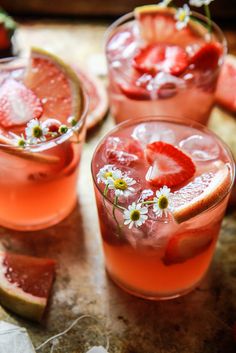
(132, 91)
(18, 104)
(184, 246)
(226, 87)
(207, 57)
(169, 165)
(161, 57)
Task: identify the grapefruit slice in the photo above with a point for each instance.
(184, 246)
(55, 84)
(158, 25)
(226, 87)
(25, 284)
(98, 100)
(202, 193)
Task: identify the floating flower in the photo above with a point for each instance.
(108, 171)
(182, 16)
(146, 194)
(164, 3)
(19, 141)
(135, 215)
(122, 184)
(36, 131)
(199, 3)
(162, 202)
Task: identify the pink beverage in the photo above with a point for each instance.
(42, 129)
(161, 188)
(154, 68)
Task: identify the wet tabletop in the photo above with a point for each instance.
(200, 322)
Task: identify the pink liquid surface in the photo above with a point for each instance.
(136, 258)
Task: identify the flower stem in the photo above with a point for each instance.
(208, 15)
(115, 204)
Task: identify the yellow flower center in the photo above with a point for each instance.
(182, 16)
(120, 184)
(37, 131)
(163, 202)
(107, 175)
(135, 215)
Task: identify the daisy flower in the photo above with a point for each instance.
(19, 141)
(162, 202)
(135, 215)
(182, 16)
(122, 184)
(199, 3)
(105, 173)
(36, 131)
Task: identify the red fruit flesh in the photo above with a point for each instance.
(155, 58)
(18, 104)
(32, 275)
(226, 87)
(5, 42)
(207, 57)
(184, 246)
(169, 165)
(158, 25)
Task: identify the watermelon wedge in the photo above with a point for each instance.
(25, 284)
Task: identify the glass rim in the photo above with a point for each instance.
(175, 120)
(46, 145)
(195, 15)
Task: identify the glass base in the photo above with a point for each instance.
(39, 226)
(151, 295)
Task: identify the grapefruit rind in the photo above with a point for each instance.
(216, 190)
(18, 301)
(95, 115)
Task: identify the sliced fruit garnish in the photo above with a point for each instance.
(98, 100)
(207, 57)
(184, 246)
(7, 146)
(25, 284)
(201, 194)
(226, 87)
(132, 91)
(169, 165)
(158, 25)
(161, 57)
(18, 104)
(56, 84)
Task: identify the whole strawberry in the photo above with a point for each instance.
(7, 29)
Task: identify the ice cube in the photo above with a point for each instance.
(151, 132)
(123, 152)
(200, 148)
